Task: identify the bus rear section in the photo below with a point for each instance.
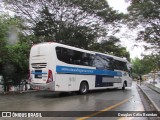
(41, 74)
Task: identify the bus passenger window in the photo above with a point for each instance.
(98, 63)
(74, 57)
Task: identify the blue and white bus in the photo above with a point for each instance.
(58, 67)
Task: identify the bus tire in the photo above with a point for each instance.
(83, 89)
(124, 86)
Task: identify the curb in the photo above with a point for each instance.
(27, 91)
(152, 102)
(17, 92)
(153, 87)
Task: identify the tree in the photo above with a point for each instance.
(14, 49)
(66, 21)
(147, 64)
(146, 14)
(3, 41)
(153, 62)
(138, 67)
(63, 32)
(112, 47)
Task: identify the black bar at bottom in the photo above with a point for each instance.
(79, 113)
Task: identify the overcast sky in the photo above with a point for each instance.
(121, 6)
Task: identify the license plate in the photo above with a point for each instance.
(38, 73)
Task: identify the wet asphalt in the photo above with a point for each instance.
(101, 100)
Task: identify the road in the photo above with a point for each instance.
(99, 102)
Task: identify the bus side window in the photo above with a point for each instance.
(103, 62)
(119, 65)
(91, 59)
(63, 54)
(97, 62)
(59, 53)
(69, 56)
(74, 57)
(111, 64)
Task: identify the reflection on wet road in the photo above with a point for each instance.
(101, 101)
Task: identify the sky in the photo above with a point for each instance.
(121, 6)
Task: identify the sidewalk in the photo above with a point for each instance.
(152, 92)
(157, 81)
(17, 92)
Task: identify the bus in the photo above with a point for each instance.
(59, 67)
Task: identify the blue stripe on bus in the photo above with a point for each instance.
(38, 73)
(86, 71)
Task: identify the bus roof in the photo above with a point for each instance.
(83, 50)
(66, 46)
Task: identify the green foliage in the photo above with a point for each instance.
(67, 26)
(3, 37)
(147, 64)
(72, 22)
(62, 32)
(99, 8)
(153, 62)
(112, 47)
(14, 57)
(146, 13)
(138, 68)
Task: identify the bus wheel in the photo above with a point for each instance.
(124, 86)
(83, 88)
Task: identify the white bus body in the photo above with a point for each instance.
(58, 67)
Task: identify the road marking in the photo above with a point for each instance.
(126, 118)
(104, 110)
